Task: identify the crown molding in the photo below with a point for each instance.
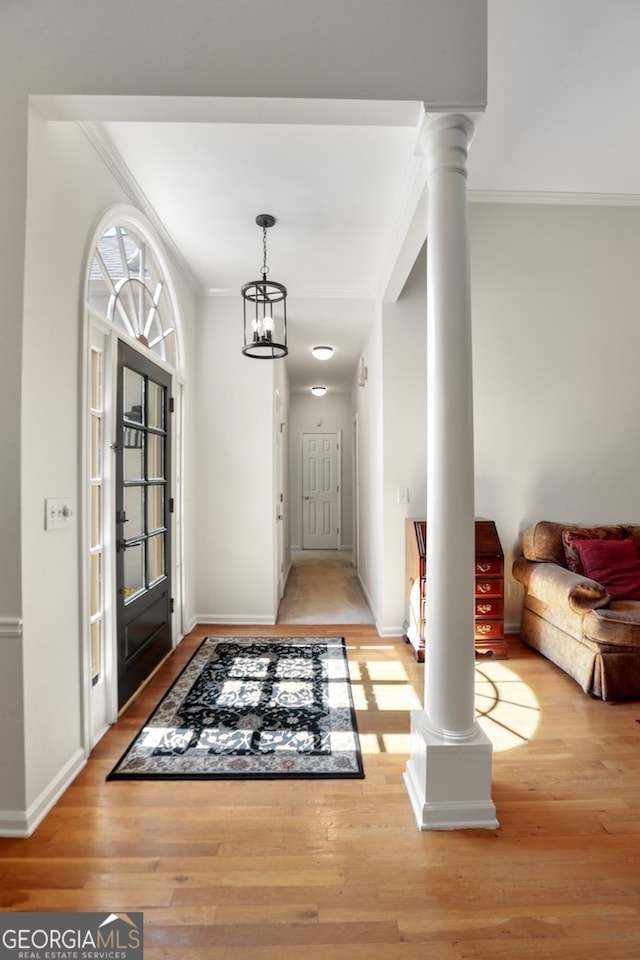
(101, 143)
(542, 197)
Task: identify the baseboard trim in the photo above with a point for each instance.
(236, 619)
(348, 547)
(22, 823)
(191, 624)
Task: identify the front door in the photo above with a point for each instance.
(320, 491)
(143, 558)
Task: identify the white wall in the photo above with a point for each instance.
(555, 294)
(367, 405)
(282, 445)
(234, 503)
(68, 189)
(404, 355)
(392, 417)
(556, 339)
(334, 413)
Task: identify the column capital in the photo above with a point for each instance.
(444, 138)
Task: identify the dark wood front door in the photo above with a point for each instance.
(143, 540)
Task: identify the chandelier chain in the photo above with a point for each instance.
(265, 268)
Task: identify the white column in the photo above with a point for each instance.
(448, 775)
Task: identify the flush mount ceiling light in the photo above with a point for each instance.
(318, 391)
(265, 334)
(322, 353)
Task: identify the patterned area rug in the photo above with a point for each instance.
(252, 708)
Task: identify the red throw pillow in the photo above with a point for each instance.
(613, 563)
(570, 537)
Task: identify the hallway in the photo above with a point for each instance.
(323, 587)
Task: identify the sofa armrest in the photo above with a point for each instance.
(555, 585)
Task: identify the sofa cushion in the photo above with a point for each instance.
(613, 563)
(633, 531)
(571, 535)
(543, 540)
(617, 625)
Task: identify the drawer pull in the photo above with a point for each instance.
(483, 627)
(484, 587)
(485, 607)
(483, 567)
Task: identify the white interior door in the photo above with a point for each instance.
(320, 491)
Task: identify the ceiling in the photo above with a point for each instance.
(560, 126)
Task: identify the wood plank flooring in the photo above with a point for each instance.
(337, 870)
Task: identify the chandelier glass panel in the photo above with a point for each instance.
(265, 328)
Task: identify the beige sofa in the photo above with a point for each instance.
(571, 618)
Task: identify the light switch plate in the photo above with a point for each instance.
(57, 513)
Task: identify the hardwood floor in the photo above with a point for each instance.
(337, 870)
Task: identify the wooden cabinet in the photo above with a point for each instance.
(416, 585)
(489, 588)
(489, 612)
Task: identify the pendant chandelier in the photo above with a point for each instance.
(265, 334)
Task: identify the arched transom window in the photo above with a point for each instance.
(127, 288)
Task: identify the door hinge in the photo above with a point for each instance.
(171, 504)
(171, 405)
(172, 605)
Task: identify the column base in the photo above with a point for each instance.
(449, 784)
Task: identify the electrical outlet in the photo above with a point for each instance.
(402, 494)
(514, 589)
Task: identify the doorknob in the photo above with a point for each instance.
(306, 498)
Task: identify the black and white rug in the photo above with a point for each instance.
(252, 708)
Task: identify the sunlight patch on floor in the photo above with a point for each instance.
(382, 671)
(507, 709)
(378, 696)
(397, 743)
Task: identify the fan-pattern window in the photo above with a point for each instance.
(127, 288)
